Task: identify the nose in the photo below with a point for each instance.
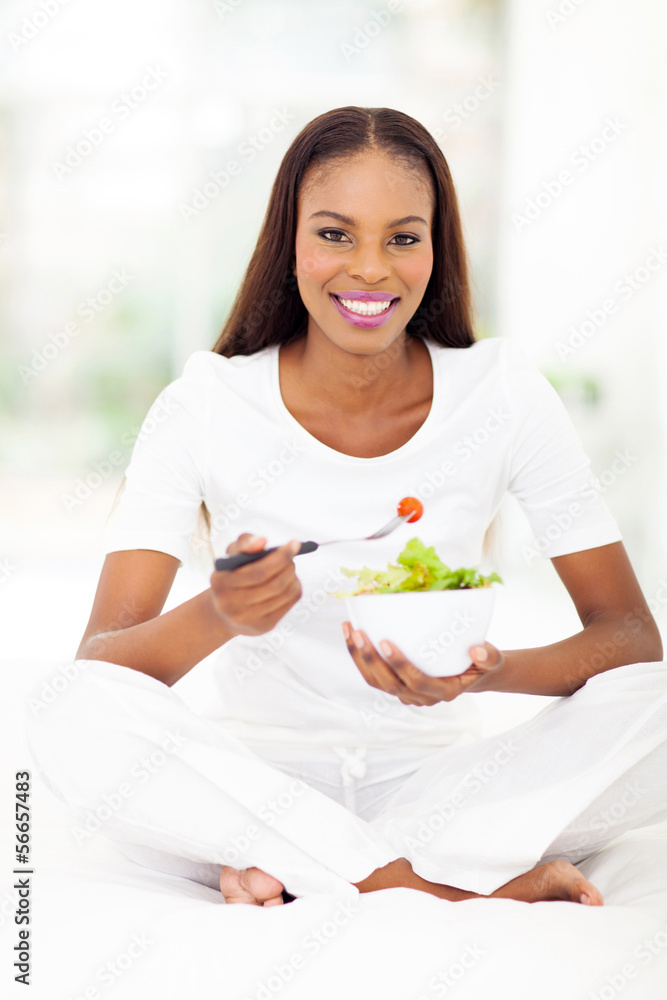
(368, 264)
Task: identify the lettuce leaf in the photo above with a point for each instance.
(418, 568)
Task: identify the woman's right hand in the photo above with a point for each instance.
(252, 599)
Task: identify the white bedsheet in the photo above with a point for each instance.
(105, 928)
(108, 928)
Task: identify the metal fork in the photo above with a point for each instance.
(241, 558)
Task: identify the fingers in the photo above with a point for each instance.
(372, 667)
(252, 598)
(486, 657)
(246, 543)
(406, 684)
(263, 570)
(394, 673)
(429, 690)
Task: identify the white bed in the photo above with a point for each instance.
(104, 927)
(168, 937)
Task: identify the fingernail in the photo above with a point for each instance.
(253, 539)
(386, 648)
(294, 547)
(480, 653)
(585, 899)
(359, 640)
(346, 630)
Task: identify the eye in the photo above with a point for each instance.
(406, 236)
(324, 233)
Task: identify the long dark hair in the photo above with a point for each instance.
(268, 308)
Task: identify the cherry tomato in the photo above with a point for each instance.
(408, 504)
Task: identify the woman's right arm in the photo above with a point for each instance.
(127, 628)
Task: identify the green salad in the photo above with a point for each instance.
(418, 568)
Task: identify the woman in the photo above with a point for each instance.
(347, 377)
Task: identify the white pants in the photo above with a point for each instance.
(176, 792)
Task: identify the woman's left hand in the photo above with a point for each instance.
(394, 673)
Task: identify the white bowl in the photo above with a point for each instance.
(433, 628)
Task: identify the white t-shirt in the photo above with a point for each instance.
(222, 433)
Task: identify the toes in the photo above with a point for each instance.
(232, 887)
(568, 883)
(589, 895)
(262, 886)
(251, 886)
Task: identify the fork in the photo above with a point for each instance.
(241, 558)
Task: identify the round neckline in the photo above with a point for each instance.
(318, 445)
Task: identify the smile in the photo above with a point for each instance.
(366, 313)
(365, 308)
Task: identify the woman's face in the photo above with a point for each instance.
(363, 244)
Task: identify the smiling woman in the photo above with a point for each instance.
(402, 179)
(350, 350)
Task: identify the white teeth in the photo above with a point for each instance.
(366, 308)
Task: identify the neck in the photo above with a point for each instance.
(356, 383)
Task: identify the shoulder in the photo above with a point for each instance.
(482, 354)
(209, 367)
(205, 373)
(498, 357)
(488, 358)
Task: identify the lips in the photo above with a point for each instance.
(361, 296)
(366, 320)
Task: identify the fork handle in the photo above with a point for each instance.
(241, 558)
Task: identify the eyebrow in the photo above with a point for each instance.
(351, 222)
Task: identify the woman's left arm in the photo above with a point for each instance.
(618, 629)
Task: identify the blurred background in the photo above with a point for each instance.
(123, 238)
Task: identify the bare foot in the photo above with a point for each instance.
(250, 885)
(554, 880)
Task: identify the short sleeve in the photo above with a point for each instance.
(549, 472)
(165, 480)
